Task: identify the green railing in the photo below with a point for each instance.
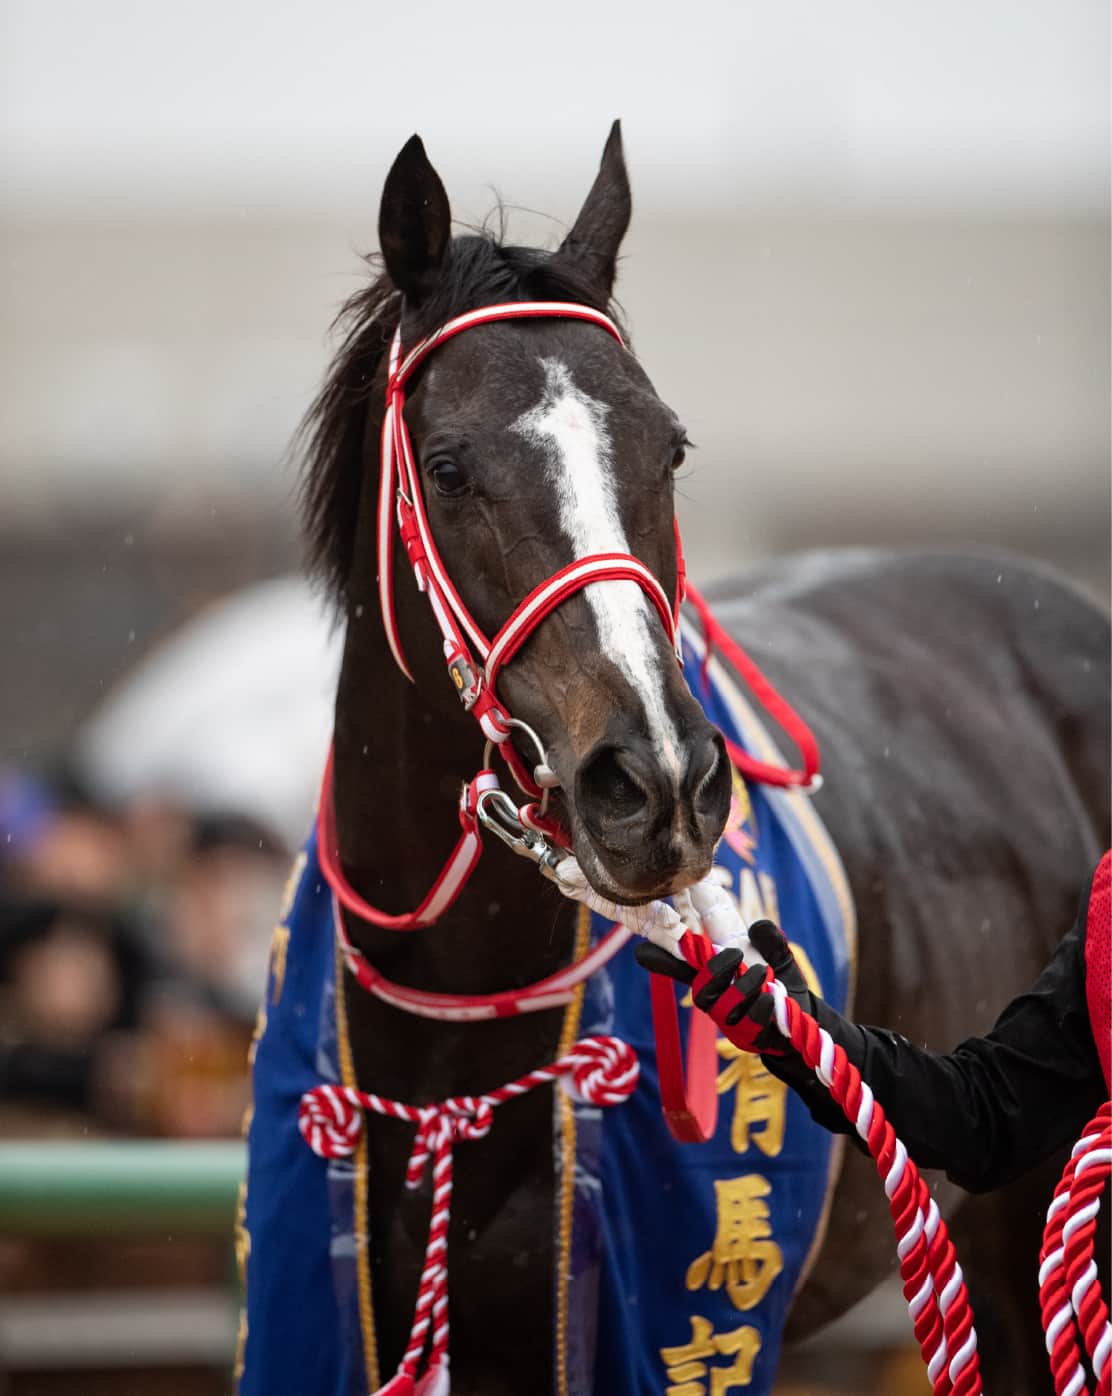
(119, 1186)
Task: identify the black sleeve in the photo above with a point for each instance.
(997, 1105)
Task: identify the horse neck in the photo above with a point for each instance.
(401, 756)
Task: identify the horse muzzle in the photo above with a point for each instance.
(645, 824)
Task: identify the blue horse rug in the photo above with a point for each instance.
(692, 1304)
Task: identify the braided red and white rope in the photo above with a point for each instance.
(599, 1070)
(932, 1278)
(933, 1284)
(1069, 1291)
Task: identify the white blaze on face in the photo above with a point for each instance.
(570, 429)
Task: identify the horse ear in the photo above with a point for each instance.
(414, 222)
(593, 243)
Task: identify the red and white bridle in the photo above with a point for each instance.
(474, 663)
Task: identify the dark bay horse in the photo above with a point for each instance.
(961, 704)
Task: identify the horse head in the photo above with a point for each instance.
(538, 442)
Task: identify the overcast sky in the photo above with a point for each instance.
(259, 104)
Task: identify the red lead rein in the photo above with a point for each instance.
(932, 1279)
(598, 1070)
(690, 1105)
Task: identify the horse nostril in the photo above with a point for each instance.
(607, 782)
(707, 780)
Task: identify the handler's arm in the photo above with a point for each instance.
(988, 1111)
(997, 1105)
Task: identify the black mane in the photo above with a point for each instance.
(480, 270)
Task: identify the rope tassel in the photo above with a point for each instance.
(598, 1071)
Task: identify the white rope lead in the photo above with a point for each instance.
(707, 908)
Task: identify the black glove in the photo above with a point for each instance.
(749, 1022)
(750, 1009)
(720, 975)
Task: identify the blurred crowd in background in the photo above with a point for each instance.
(132, 943)
(142, 861)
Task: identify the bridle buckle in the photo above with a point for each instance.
(468, 683)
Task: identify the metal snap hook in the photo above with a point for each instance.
(498, 813)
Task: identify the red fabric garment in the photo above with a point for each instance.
(1098, 964)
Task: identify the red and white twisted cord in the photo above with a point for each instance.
(599, 1070)
(1069, 1291)
(932, 1279)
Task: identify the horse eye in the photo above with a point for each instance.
(448, 478)
(680, 444)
